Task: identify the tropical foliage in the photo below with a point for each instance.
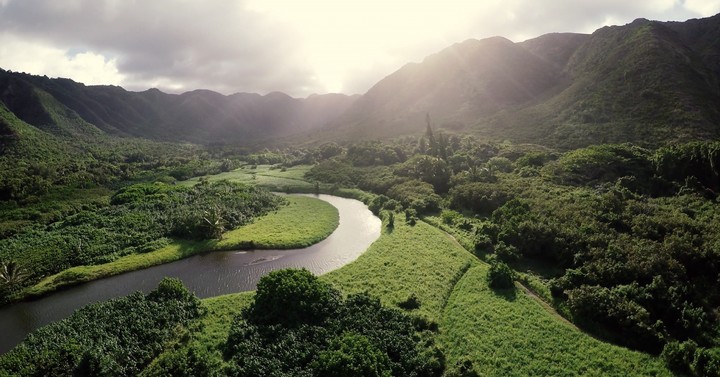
(114, 338)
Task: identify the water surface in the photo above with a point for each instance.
(207, 275)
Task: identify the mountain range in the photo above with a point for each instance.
(646, 82)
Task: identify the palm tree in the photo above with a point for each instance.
(11, 273)
(214, 223)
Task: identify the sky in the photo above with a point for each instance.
(299, 47)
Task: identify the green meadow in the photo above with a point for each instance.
(287, 228)
(503, 333)
(508, 333)
(267, 176)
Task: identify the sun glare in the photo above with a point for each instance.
(342, 38)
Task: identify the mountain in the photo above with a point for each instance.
(200, 116)
(646, 82)
(457, 86)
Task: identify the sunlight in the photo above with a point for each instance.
(344, 37)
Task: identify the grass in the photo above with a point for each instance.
(290, 180)
(264, 176)
(507, 333)
(290, 228)
(503, 333)
(221, 311)
(287, 228)
(407, 259)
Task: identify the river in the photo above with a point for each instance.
(208, 274)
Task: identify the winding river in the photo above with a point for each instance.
(209, 274)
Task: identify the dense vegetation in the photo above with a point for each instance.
(298, 325)
(621, 239)
(137, 219)
(270, 231)
(114, 338)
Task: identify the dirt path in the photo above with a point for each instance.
(545, 305)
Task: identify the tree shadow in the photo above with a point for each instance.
(508, 294)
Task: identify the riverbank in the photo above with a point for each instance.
(503, 333)
(288, 228)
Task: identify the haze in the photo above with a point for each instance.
(261, 46)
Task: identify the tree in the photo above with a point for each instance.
(432, 144)
(213, 223)
(11, 274)
(352, 355)
(390, 219)
(292, 297)
(500, 275)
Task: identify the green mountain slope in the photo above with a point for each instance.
(457, 86)
(639, 82)
(646, 82)
(200, 116)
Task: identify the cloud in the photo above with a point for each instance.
(86, 67)
(225, 47)
(298, 47)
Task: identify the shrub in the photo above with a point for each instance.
(500, 275)
(411, 216)
(292, 297)
(352, 355)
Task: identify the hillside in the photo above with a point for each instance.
(199, 116)
(646, 82)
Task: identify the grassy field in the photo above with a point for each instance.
(407, 260)
(503, 333)
(287, 228)
(285, 180)
(507, 333)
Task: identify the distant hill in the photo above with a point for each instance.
(646, 82)
(200, 116)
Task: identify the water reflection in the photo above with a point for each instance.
(207, 275)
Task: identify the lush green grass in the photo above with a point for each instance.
(221, 311)
(288, 228)
(80, 274)
(407, 260)
(291, 228)
(262, 175)
(507, 333)
(504, 334)
(290, 180)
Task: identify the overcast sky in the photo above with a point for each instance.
(298, 47)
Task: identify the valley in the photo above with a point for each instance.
(545, 208)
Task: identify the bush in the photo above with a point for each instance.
(500, 275)
(506, 253)
(411, 216)
(292, 297)
(678, 356)
(352, 355)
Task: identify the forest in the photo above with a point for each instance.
(622, 240)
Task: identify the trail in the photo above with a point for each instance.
(537, 299)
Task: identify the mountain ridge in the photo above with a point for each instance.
(647, 82)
